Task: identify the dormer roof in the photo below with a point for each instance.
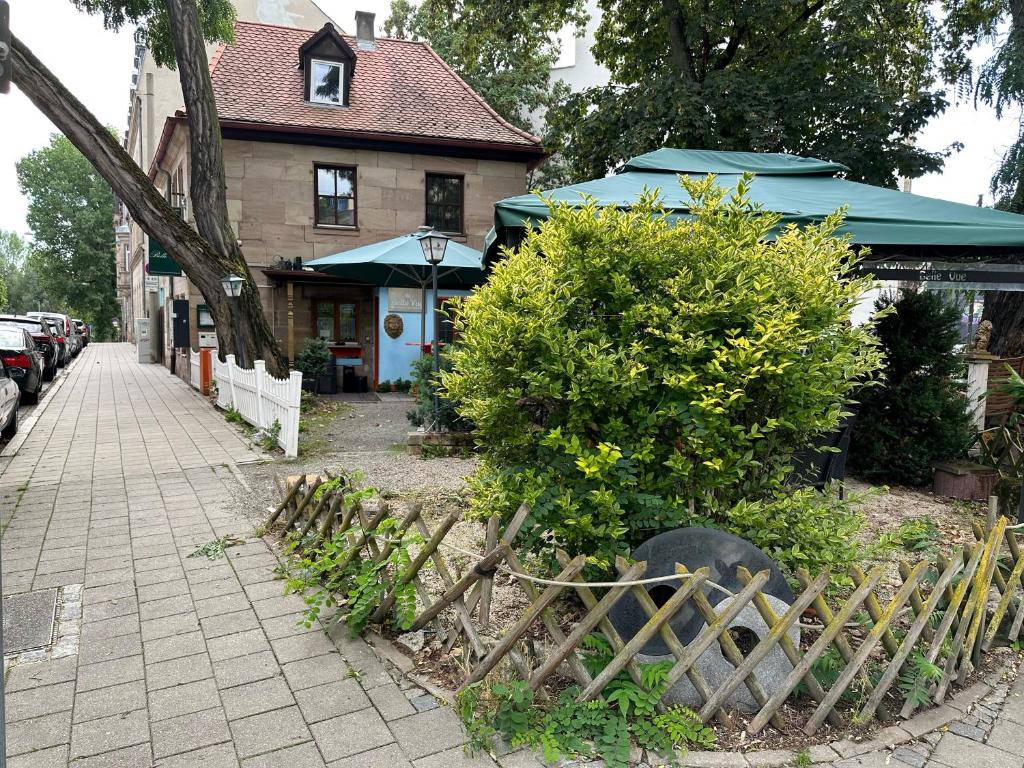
(326, 42)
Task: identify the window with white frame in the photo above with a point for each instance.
(326, 82)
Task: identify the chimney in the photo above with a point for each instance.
(364, 30)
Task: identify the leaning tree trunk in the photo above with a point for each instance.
(203, 263)
(207, 181)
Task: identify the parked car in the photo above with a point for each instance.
(24, 363)
(44, 338)
(63, 351)
(67, 330)
(10, 396)
(83, 331)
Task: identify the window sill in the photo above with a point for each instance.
(335, 229)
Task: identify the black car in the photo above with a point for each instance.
(44, 339)
(63, 348)
(24, 363)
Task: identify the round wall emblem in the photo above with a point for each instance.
(393, 326)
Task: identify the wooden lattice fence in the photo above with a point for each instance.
(949, 612)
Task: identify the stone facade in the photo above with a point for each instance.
(270, 197)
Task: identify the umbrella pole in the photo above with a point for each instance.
(423, 318)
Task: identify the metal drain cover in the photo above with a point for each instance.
(28, 620)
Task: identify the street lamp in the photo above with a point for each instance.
(232, 284)
(433, 245)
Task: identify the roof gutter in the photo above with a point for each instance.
(533, 153)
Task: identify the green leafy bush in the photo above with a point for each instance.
(599, 728)
(629, 374)
(314, 359)
(918, 415)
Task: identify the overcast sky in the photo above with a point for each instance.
(96, 64)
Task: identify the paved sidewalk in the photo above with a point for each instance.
(161, 659)
(164, 659)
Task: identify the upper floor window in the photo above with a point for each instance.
(335, 196)
(328, 63)
(326, 82)
(444, 202)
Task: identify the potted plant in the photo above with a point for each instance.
(317, 366)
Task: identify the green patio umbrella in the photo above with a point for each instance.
(803, 190)
(399, 263)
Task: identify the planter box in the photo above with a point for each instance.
(964, 480)
(440, 443)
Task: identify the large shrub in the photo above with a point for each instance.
(918, 415)
(629, 374)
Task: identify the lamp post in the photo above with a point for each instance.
(233, 288)
(433, 245)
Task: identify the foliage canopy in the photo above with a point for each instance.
(216, 19)
(847, 80)
(628, 374)
(70, 212)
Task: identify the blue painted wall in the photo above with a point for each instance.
(398, 355)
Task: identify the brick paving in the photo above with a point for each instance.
(181, 661)
(174, 661)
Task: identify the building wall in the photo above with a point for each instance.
(398, 354)
(579, 70)
(270, 198)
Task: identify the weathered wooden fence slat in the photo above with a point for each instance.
(892, 671)
(802, 664)
(646, 632)
(876, 635)
(718, 629)
(518, 629)
(969, 625)
(668, 636)
(550, 624)
(607, 629)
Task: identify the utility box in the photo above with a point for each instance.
(207, 339)
(179, 324)
(142, 339)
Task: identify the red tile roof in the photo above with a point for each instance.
(399, 89)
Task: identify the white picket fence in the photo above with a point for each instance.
(260, 398)
(193, 367)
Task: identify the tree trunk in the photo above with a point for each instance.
(204, 265)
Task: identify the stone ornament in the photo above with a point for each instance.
(721, 553)
(695, 548)
(771, 672)
(982, 337)
(393, 325)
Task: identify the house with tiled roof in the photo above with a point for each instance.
(332, 142)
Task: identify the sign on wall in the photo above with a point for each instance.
(975, 276)
(405, 300)
(160, 263)
(152, 283)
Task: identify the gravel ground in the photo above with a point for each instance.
(368, 437)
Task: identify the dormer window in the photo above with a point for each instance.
(326, 80)
(328, 64)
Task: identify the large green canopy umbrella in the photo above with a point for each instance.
(399, 263)
(803, 190)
